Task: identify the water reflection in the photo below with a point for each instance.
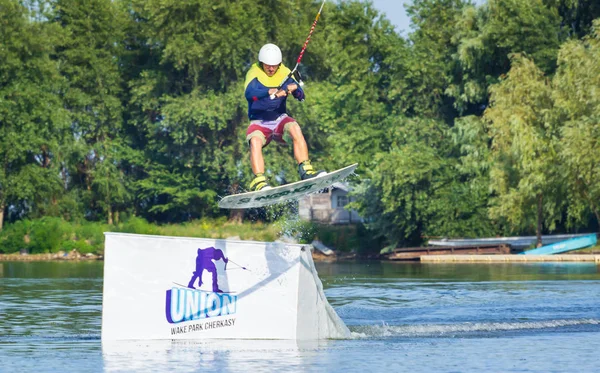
(355, 270)
(214, 355)
(52, 269)
(50, 300)
(406, 317)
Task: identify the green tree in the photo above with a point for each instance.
(577, 100)
(186, 104)
(396, 199)
(459, 207)
(577, 15)
(487, 35)
(348, 116)
(526, 177)
(89, 59)
(430, 66)
(433, 182)
(32, 120)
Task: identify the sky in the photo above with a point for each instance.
(395, 12)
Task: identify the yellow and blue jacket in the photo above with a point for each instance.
(258, 83)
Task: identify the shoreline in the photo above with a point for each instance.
(46, 257)
(510, 258)
(75, 256)
(320, 257)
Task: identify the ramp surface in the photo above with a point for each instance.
(158, 287)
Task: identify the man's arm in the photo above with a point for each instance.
(218, 254)
(255, 91)
(293, 88)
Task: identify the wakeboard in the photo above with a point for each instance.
(292, 191)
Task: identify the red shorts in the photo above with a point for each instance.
(269, 130)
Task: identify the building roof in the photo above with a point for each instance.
(343, 186)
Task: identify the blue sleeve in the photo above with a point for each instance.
(255, 91)
(298, 93)
(260, 105)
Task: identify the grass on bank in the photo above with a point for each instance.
(51, 234)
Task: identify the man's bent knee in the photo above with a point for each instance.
(290, 131)
(257, 138)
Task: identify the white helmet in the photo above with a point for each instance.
(270, 54)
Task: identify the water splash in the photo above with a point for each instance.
(453, 330)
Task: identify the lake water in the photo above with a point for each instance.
(405, 317)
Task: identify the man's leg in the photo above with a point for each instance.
(192, 280)
(305, 169)
(257, 141)
(298, 141)
(196, 276)
(257, 162)
(215, 281)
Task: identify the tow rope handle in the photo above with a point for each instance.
(295, 70)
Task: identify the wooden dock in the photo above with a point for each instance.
(509, 258)
(416, 253)
(503, 249)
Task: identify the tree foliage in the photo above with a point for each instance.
(485, 38)
(33, 122)
(525, 176)
(577, 100)
(483, 120)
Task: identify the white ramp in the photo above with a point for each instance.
(158, 287)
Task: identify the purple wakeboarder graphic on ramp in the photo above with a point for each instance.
(188, 303)
(204, 261)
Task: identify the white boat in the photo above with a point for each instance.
(516, 243)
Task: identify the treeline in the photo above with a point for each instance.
(484, 120)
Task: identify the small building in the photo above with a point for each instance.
(328, 207)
